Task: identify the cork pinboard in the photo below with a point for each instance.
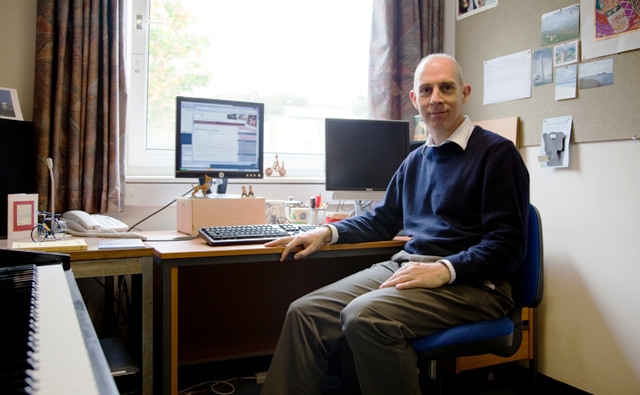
(599, 114)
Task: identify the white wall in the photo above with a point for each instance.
(590, 214)
(591, 220)
(17, 50)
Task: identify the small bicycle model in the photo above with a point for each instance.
(276, 167)
(48, 226)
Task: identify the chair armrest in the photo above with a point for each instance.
(516, 318)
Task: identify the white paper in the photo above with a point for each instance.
(117, 244)
(507, 78)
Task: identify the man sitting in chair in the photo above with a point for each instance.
(463, 198)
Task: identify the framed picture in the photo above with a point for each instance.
(9, 104)
(467, 8)
(565, 53)
(22, 214)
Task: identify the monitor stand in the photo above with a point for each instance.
(221, 185)
(359, 210)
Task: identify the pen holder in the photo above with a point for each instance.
(300, 215)
(317, 216)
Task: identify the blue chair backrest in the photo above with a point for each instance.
(527, 280)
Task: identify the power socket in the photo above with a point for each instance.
(261, 377)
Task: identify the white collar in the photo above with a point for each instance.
(460, 136)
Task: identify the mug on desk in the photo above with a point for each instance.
(299, 215)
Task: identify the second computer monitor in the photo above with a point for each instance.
(361, 156)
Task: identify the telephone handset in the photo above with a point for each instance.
(80, 223)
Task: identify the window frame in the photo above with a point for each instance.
(158, 163)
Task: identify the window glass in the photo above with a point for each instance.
(305, 60)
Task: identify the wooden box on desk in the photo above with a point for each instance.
(196, 213)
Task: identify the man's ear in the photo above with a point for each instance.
(412, 96)
(466, 91)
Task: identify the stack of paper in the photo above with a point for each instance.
(118, 244)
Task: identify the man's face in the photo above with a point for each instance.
(439, 97)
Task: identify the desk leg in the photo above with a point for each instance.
(109, 315)
(169, 330)
(147, 326)
(174, 331)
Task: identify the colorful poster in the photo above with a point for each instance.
(616, 17)
(606, 41)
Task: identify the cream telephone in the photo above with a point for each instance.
(80, 223)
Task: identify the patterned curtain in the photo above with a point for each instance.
(80, 103)
(402, 33)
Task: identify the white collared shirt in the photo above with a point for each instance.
(459, 136)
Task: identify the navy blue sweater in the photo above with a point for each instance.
(468, 206)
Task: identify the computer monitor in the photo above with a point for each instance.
(361, 156)
(219, 138)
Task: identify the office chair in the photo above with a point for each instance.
(501, 336)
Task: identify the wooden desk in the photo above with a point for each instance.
(221, 303)
(98, 263)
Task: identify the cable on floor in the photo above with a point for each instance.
(225, 383)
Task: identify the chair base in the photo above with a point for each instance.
(509, 375)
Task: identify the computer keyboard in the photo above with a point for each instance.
(249, 234)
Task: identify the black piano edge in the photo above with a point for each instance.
(10, 257)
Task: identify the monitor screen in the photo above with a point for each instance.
(361, 156)
(220, 138)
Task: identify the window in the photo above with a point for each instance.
(306, 61)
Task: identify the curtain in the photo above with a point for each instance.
(402, 33)
(80, 104)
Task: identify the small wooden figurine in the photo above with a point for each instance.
(202, 187)
(276, 167)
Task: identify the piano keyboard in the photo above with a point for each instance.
(60, 359)
(54, 356)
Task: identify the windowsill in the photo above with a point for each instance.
(266, 180)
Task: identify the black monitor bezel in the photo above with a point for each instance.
(330, 183)
(214, 173)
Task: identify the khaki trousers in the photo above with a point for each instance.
(377, 324)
